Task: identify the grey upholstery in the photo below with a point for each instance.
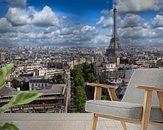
(124, 110)
(115, 108)
(143, 77)
(132, 104)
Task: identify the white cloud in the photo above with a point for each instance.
(101, 40)
(143, 34)
(45, 17)
(18, 16)
(105, 21)
(131, 20)
(4, 25)
(137, 32)
(106, 11)
(138, 5)
(87, 28)
(36, 35)
(17, 2)
(67, 31)
(77, 35)
(158, 21)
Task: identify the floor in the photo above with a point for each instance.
(47, 121)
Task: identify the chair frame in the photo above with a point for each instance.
(145, 121)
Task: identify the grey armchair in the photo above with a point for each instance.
(142, 102)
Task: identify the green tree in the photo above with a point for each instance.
(80, 98)
(82, 73)
(78, 80)
(88, 73)
(78, 75)
(91, 78)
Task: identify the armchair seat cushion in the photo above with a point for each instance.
(125, 110)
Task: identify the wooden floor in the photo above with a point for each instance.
(44, 121)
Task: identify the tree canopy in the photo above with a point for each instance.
(82, 73)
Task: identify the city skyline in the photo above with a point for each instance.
(79, 23)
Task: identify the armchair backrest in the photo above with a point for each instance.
(143, 77)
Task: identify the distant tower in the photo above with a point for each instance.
(114, 50)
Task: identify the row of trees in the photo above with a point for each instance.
(82, 73)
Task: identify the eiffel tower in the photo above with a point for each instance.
(114, 50)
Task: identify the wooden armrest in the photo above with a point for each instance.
(147, 88)
(101, 85)
(148, 101)
(98, 90)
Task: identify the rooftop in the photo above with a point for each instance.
(53, 89)
(56, 121)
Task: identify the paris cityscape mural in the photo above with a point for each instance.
(57, 46)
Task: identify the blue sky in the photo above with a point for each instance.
(79, 22)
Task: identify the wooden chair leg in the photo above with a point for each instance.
(146, 110)
(94, 122)
(124, 125)
(144, 126)
(160, 98)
